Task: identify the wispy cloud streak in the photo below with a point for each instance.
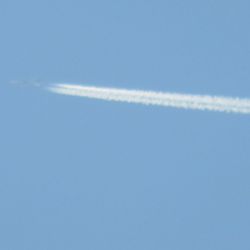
(186, 101)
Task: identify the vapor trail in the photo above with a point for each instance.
(213, 103)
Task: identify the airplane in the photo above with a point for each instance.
(25, 83)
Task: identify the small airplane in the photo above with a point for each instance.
(25, 83)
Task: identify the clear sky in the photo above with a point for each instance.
(87, 174)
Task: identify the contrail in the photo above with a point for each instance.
(186, 101)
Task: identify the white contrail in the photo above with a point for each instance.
(214, 103)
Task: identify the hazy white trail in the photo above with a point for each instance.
(213, 103)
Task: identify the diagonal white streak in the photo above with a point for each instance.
(213, 103)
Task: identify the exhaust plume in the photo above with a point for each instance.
(185, 101)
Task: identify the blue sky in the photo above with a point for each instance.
(87, 174)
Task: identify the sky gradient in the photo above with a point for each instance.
(78, 173)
